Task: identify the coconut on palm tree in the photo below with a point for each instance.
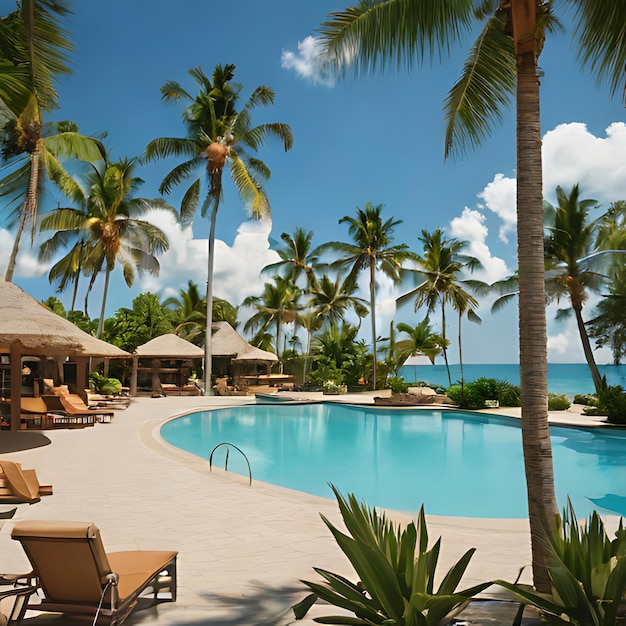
(220, 136)
(501, 65)
(109, 225)
(372, 251)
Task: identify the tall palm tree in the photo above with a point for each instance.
(372, 251)
(297, 258)
(570, 261)
(278, 305)
(109, 224)
(219, 135)
(34, 54)
(379, 34)
(440, 267)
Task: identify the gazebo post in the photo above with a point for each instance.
(133, 377)
(16, 386)
(81, 376)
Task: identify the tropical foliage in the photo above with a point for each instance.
(588, 573)
(396, 573)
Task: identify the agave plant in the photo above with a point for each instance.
(587, 570)
(396, 573)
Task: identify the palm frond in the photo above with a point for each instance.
(250, 191)
(393, 33)
(189, 203)
(164, 147)
(171, 90)
(602, 40)
(484, 89)
(179, 174)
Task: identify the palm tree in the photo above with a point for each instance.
(502, 63)
(440, 267)
(296, 258)
(571, 262)
(218, 135)
(109, 224)
(278, 304)
(330, 300)
(33, 56)
(371, 251)
(422, 340)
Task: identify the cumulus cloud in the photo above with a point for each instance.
(27, 265)
(571, 154)
(470, 226)
(308, 62)
(236, 273)
(499, 196)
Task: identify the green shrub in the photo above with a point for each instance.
(612, 403)
(586, 399)
(558, 402)
(473, 394)
(588, 574)
(396, 584)
(102, 384)
(397, 384)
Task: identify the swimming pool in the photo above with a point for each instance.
(456, 463)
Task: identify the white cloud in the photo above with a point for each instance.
(308, 62)
(27, 265)
(564, 345)
(470, 226)
(237, 268)
(571, 154)
(500, 197)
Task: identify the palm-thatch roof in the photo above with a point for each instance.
(226, 341)
(169, 346)
(39, 331)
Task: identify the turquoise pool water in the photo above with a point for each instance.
(456, 463)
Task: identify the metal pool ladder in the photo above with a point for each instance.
(228, 446)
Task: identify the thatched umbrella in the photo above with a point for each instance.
(167, 346)
(27, 327)
(227, 342)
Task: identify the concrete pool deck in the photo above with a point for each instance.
(242, 549)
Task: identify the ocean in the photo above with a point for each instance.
(563, 378)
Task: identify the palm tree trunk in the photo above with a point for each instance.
(443, 334)
(29, 208)
(461, 352)
(542, 508)
(208, 354)
(598, 383)
(373, 314)
(104, 301)
(16, 244)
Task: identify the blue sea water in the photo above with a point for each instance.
(563, 378)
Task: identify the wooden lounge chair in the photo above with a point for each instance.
(72, 404)
(14, 594)
(78, 577)
(19, 485)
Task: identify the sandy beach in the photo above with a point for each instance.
(242, 549)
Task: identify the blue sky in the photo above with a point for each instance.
(361, 139)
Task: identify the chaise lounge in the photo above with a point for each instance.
(19, 485)
(75, 409)
(78, 577)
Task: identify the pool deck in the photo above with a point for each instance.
(242, 549)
